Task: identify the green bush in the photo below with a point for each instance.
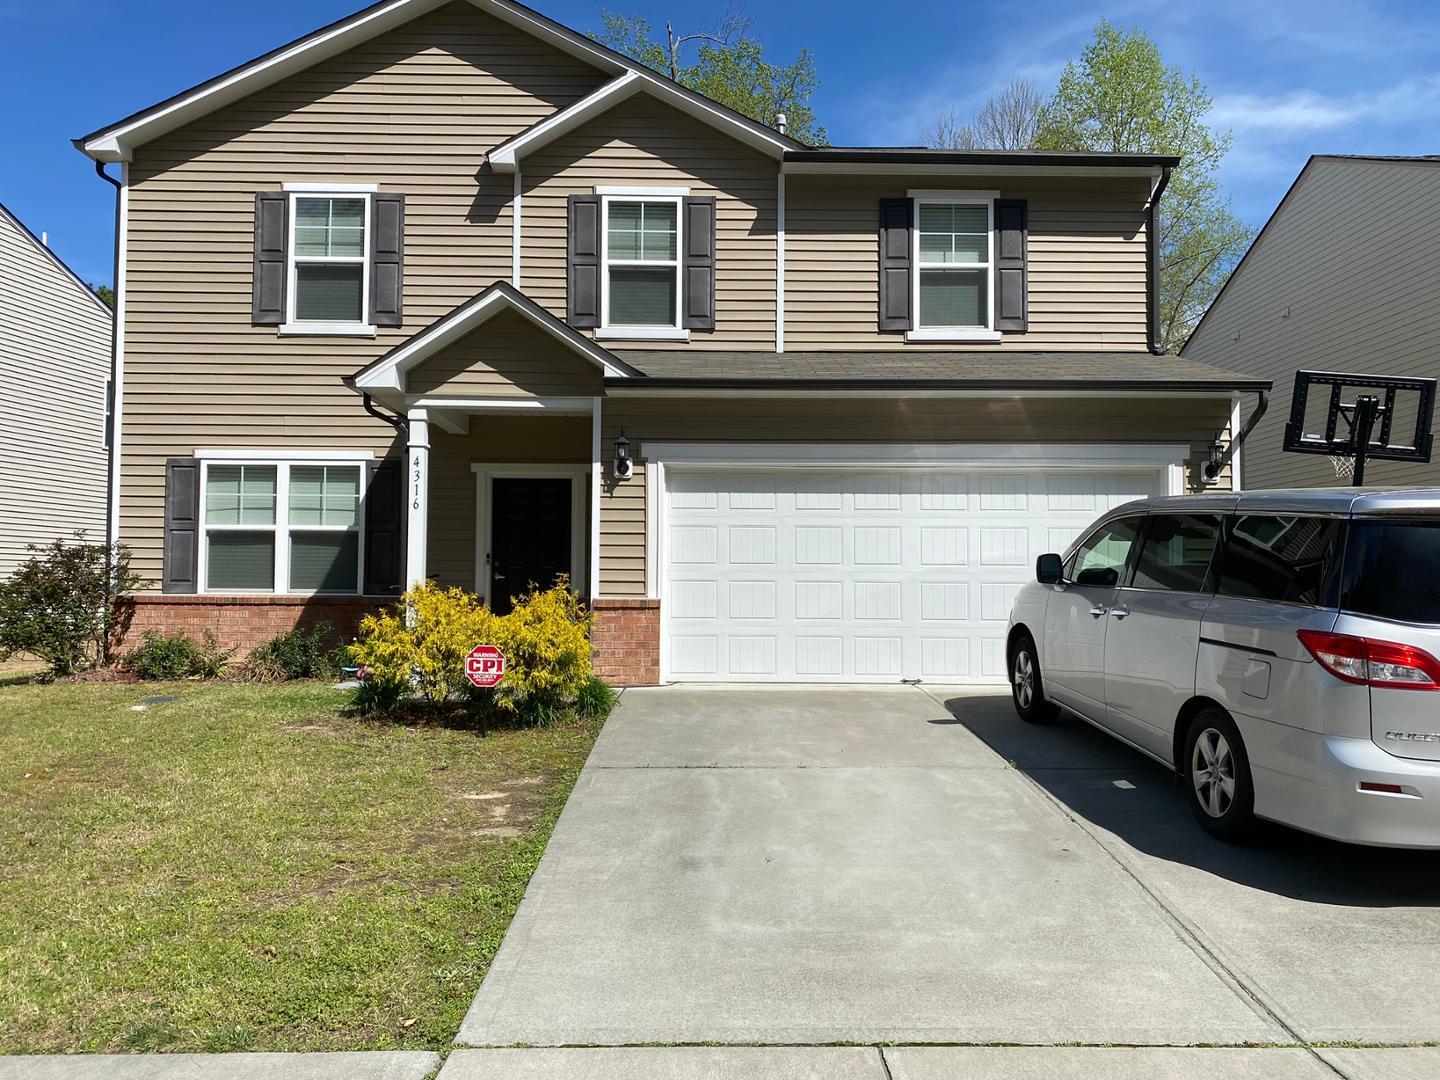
(61, 604)
(419, 646)
(295, 654)
(595, 698)
(175, 656)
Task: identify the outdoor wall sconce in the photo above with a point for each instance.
(1216, 461)
(624, 467)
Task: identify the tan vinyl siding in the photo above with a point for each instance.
(507, 356)
(413, 110)
(643, 143)
(1086, 272)
(54, 364)
(1345, 278)
(1177, 420)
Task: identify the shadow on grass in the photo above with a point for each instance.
(465, 716)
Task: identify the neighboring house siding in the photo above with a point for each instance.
(1086, 261)
(1078, 420)
(414, 110)
(1345, 278)
(644, 143)
(507, 356)
(54, 365)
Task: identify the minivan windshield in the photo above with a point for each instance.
(1392, 570)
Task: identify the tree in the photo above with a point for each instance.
(1122, 98)
(729, 67)
(105, 293)
(1008, 120)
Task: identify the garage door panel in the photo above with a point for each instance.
(863, 574)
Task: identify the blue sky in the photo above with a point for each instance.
(1289, 78)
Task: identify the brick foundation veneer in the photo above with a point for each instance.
(626, 642)
(242, 622)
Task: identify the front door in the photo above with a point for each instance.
(529, 536)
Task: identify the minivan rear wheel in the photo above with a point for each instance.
(1027, 689)
(1217, 772)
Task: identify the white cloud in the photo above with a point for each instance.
(1302, 112)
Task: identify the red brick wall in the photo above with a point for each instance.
(242, 622)
(626, 642)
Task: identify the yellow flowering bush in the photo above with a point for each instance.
(546, 642)
(421, 643)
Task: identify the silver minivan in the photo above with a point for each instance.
(1276, 648)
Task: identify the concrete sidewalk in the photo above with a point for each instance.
(940, 1063)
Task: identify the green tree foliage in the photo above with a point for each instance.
(729, 67)
(105, 293)
(1121, 97)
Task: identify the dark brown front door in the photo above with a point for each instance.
(529, 536)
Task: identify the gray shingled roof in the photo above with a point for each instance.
(981, 369)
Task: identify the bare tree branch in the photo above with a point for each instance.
(1008, 120)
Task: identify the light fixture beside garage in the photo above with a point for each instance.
(624, 468)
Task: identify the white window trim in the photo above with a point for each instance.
(608, 330)
(298, 327)
(281, 527)
(578, 475)
(986, 332)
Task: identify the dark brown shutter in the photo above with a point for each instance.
(699, 264)
(272, 230)
(180, 573)
(1012, 307)
(897, 217)
(384, 527)
(387, 259)
(582, 293)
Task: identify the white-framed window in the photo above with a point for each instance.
(640, 272)
(281, 527)
(953, 286)
(329, 271)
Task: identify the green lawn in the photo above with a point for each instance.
(247, 868)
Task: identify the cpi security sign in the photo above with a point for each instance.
(485, 666)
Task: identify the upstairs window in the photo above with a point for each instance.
(642, 263)
(329, 268)
(952, 265)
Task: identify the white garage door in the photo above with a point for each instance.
(862, 575)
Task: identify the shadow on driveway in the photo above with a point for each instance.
(1121, 791)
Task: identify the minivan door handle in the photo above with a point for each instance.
(1120, 612)
(1099, 611)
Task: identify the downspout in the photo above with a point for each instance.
(1152, 253)
(113, 436)
(399, 423)
(1213, 469)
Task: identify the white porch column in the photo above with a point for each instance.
(417, 500)
(597, 477)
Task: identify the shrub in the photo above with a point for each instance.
(60, 605)
(294, 654)
(546, 642)
(175, 656)
(421, 642)
(595, 698)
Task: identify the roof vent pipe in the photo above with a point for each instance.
(780, 122)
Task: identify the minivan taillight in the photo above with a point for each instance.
(1370, 662)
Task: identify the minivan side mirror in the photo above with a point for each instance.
(1049, 570)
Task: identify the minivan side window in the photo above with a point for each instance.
(1100, 560)
(1389, 570)
(1176, 552)
(1293, 560)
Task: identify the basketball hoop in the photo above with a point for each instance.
(1360, 420)
(1344, 466)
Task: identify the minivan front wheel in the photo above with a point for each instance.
(1218, 775)
(1026, 688)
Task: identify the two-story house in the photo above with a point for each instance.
(55, 338)
(447, 290)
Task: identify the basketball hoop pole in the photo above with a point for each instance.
(1366, 407)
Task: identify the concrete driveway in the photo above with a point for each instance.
(898, 865)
